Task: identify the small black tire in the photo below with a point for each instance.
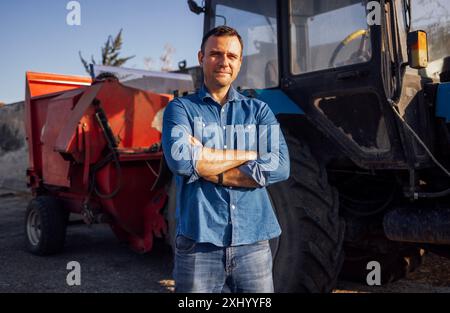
(45, 226)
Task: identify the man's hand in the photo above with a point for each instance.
(215, 161)
(194, 141)
(213, 178)
(234, 178)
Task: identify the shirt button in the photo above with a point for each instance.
(225, 146)
(223, 110)
(233, 207)
(231, 187)
(224, 127)
(204, 124)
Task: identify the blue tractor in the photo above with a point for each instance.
(363, 98)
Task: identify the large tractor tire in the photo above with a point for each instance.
(45, 226)
(308, 255)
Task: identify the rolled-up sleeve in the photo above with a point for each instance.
(273, 163)
(181, 156)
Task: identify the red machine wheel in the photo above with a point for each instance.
(45, 226)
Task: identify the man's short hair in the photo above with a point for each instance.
(220, 31)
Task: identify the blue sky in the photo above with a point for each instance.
(34, 36)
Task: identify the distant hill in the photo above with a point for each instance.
(13, 148)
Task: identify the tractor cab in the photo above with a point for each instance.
(309, 42)
(339, 63)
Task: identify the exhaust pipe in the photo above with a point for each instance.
(418, 225)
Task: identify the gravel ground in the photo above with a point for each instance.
(107, 266)
(433, 276)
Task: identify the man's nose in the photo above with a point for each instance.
(224, 61)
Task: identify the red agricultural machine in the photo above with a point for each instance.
(94, 150)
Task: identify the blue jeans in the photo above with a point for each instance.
(204, 267)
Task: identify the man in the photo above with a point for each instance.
(224, 215)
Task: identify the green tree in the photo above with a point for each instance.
(110, 53)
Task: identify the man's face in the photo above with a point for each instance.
(221, 61)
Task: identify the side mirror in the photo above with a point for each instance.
(417, 49)
(195, 8)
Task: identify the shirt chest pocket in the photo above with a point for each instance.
(245, 137)
(211, 134)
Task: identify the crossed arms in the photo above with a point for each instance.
(186, 156)
(214, 162)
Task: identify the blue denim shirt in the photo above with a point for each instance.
(208, 212)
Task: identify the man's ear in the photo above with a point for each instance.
(200, 57)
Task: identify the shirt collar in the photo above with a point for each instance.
(233, 94)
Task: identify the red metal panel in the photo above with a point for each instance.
(131, 114)
(40, 87)
(55, 169)
(136, 207)
(68, 133)
(46, 83)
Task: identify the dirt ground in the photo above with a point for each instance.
(433, 276)
(108, 266)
